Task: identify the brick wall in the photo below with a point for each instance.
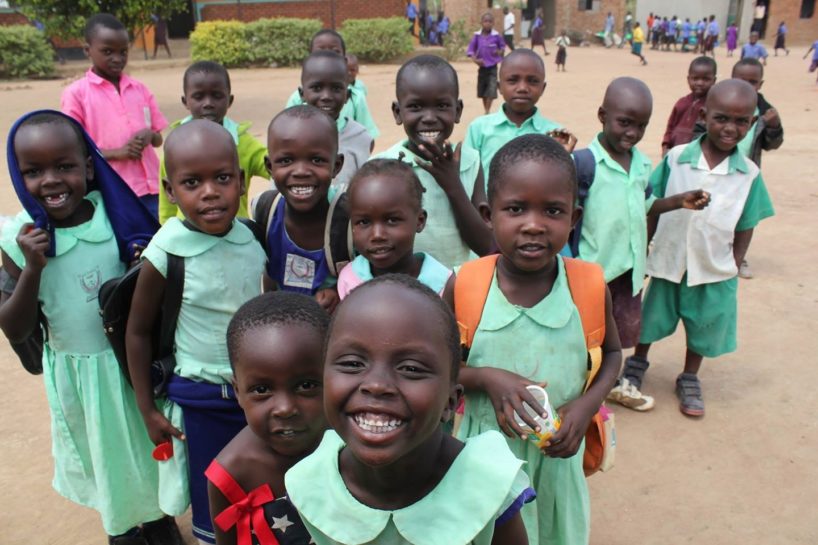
(570, 17)
(305, 9)
(8, 17)
(800, 31)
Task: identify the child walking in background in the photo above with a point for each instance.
(385, 213)
(562, 41)
(531, 333)
(781, 39)
(814, 63)
(428, 105)
(387, 471)
(695, 258)
(486, 50)
(117, 111)
(81, 226)
(637, 42)
(275, 342)
(538, 33)
(355, 106)
(223, 268)
(207, 95)
(701, 75)
(522, 83)
(731, 38)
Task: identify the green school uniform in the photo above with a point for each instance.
(542, 343)
(355, 108)
(488, 133)
(614, 220)
(102, 453)
(483, 482)
(441, 238)
(251, 161)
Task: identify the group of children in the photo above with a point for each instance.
(281, 424)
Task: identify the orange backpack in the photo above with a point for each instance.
(587, 285)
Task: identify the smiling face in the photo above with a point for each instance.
(388, 381)
(302, 159)
(385, 218)
(624, 119)
(55, 170)
(324, 84)
(108, 51)
(700, 79)
(207, 96)
(427, 106)
(278, 383)
(522, 82)
(204, 179)
(728, 115)
(532, 213)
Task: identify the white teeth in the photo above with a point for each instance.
(377, 423)
(429, 134)
(55, 200)
(287, 432)
(302, 190)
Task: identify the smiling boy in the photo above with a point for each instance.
(701, 75)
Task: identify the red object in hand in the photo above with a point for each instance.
(163, 452)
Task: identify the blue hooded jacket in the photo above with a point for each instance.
(133, 224)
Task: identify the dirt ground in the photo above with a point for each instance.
(742, 474)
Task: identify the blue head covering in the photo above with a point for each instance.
(132, 223)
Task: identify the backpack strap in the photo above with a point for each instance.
(174, 287)
(338, 248)
(471, 288)
(258, 231)
(265, 210)
(585, 164)
(586, 282)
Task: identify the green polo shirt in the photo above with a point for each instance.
(488, 133)
(614, 222)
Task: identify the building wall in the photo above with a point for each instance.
(306, 9)
(696, 9)
(9, 17)
(800, 31)
(570, 17)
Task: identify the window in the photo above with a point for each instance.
(807, 9)
(586, 5)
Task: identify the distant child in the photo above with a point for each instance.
(656, 33)
(695, 257)
(711, 37)
(56, 254)
(538, 33)
(522, 83)
(223, 268)
(385, 213)
(355, 106)
(353, 68)
(275, 342)
(302, 147)
(324, 85)
(731, 38)
(387, 473)
(562, 41)
(701, 26)
(781, 38)
(701, 75)
(637, 41)
(687, 30)
(428, 106)
(530, 333)
(117, 111)
(614, 230)
(207, 95)
(814, 64)
(754, 50)
(486, 49)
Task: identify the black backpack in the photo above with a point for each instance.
(338, 249)
(29, 350)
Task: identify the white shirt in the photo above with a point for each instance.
(508, 23)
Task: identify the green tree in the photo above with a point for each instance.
(66, 18)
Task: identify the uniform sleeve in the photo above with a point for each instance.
(157, 257)
(256, 152)
(471, 51)
(472, 139)
(166, 208)
(659, 177)
(158, 121)
(363, 115)
(294, 100)
(673, 120)
(8, 239)
(71, 104)
(757, 207)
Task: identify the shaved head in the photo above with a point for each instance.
(734, 92)
(523, 53)
(201, 136)
(627, 93)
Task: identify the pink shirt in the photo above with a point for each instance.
(111, 118)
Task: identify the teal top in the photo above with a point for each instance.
(483, 482)
(614, 221)
(488, 133)
(433, 274)
(355, 108)
(544, 343)
(440, 237)
(745, 147)
(221, 273)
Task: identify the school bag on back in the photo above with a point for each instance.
(587, 285)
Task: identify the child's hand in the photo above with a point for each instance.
(443, 163)
(507, 391)
(33, 242)
(564, 137)
(160, 429)
(133, 149)
(479, 62)
(771, 118)
(575, 416)
(328, 299)
(695, 200)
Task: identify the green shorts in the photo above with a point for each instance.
(708, 312)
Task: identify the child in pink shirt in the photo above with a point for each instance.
(118, 112)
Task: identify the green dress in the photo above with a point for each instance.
(547, 344)
(484, 482)
(102, 453)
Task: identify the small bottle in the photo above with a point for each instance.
(549, 424)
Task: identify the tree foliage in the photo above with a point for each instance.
(66, 18)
